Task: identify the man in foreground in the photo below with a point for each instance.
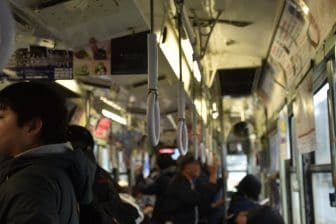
(44, 180)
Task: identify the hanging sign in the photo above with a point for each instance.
(94, 59)
(283, 134)
(304, 117)
(38, 62)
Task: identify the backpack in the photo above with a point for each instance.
(107, 207)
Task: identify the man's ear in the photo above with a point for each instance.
(33, 127)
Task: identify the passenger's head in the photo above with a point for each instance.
(165, 161)
(81, 139)
(31, 114)
(189, 166)
(250, 186)
(260, 215)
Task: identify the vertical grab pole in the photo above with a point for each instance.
(223, 155)
(194, 121)
(87, 109)
(332, 116)
(7, 33)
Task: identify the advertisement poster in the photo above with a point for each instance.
(304, 117)
(283, 135)
(102, 131)
(38, 62)
(274, 151)
(94, 59)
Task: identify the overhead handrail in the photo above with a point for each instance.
(182, 130)
(7, 33)
(153, 107)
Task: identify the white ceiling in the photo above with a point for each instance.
(75, 22)
(250, 43)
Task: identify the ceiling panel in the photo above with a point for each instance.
(76, 21)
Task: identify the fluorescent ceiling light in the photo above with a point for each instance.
(197, 72)
(214, 106)
(9, 72)
(215, 115)
(201, 108)
(71, 85)
(305, 9)
(122, 183)
(46, 43)
(172, 121)
(110, 103)
(188, 51)
(114, 117)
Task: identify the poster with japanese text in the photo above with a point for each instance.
(304, 117)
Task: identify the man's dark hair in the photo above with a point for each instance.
(29, 100)
(165, 161)
(250, 186)
(186, 159)
(81, 139)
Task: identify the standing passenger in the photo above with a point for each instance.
(44, 180)
(246, 197)
(158, 188)
(182, 199)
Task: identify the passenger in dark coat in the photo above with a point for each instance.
(159, 187)
(260, 215)
(245, 198)
(208, 185)
(44, 179)
(182, 200)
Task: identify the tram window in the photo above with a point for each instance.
(322, 154)
(322, 186)
(104, 158)
(233, 180)
(237, 162)
(237, 168)
(146, 165)
(295, 199)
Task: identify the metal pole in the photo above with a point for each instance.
(87, 108)
(223, 154)
(332, 115)
(299, 176)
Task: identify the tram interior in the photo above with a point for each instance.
(258, 80)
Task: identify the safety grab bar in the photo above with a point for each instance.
(153, 107)
(7, 33)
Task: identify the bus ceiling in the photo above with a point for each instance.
(269, 44)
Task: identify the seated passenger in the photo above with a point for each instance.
(260, 215)
(245, 198)
(44, 179)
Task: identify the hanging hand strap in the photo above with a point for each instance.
(7, 33)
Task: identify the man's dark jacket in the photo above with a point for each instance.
(159, 189)
(181, 201)
(44, 186)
